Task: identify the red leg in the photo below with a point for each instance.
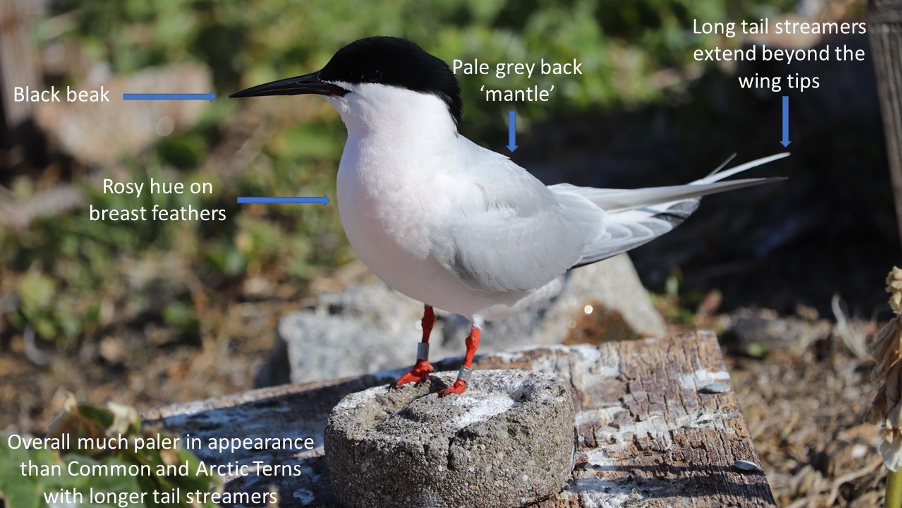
(463, 377)
(421, 370)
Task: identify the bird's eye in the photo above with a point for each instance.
(373, 76)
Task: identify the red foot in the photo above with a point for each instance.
(419, 373)
(457, 388)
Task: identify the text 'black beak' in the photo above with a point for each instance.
(306, 84)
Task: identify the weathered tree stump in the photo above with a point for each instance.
(885, 32)
(18, 61)
(657, 420)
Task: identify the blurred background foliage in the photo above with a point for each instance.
(66, 278)
(148, 313)
(622, 44)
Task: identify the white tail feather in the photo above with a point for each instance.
(717, 176)
(638, 216)
(621, 200)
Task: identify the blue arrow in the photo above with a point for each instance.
(786, 140)
(512, 130)
(277, 199)
(169, 96)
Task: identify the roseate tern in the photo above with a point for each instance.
(455, 225)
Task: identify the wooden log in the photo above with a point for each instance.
(18, 61)
(885, 33)
(657, 421)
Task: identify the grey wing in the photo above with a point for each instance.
(630, 226)
(627, 230)
(512, 232)
(638, 216)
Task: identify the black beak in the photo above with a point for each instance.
(306, 84)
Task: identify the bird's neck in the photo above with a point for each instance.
(398, 141)
(397, 117)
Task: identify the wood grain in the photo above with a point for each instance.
(18, 60)
(885, 33)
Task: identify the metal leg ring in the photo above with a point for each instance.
(423, 351)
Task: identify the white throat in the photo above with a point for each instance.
(374, 109)
(402, 147)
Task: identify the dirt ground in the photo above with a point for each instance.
(804, 399)
(805, 404)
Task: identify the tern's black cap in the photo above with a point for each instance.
(396, 62)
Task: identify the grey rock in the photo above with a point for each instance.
(716, 388)
(100, 135)
(335, 346)
(372, 327)
(363, 329)
(746, 465)
(611, 288)
(507, 441)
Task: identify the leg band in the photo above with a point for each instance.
(423, 351)
(464, 374)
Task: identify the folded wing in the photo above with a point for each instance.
(513, 233)
(638, 216)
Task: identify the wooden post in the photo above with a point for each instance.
(885, 29)
(18, 63)
(657, 424)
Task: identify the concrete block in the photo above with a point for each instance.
(507, 441)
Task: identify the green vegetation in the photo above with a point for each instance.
(20, 490)
(72, 279)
